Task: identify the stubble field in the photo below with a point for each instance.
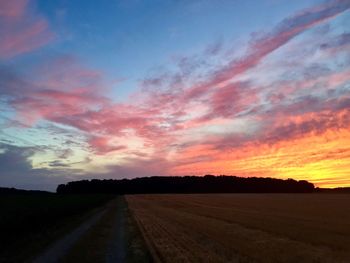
(245, 227)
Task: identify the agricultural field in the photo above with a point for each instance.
(30, 222)
(245, 227)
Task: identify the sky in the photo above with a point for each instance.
(130, 88)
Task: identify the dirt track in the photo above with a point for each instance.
(116, 249)
(110, 235)
(61, 247)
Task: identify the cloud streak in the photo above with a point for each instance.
(264, 45)
(20, 30)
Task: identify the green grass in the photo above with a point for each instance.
(29, 223)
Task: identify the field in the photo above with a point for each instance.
(245, 227)
(30, 222)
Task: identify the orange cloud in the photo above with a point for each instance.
(321, 156)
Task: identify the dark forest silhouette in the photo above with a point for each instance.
(188, 184)
(14, 191)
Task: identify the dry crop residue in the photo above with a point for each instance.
(245, 227)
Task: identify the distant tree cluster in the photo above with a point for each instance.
(12, 191)
(187, 184)
(339, 190)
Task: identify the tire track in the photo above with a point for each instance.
(61, 247)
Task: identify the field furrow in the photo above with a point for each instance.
(245, 228)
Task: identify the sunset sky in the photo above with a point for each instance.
(131, 88)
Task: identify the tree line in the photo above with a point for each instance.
(14, 191)
(186, 184)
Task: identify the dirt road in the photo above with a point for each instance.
(61, 247)
(110, 235)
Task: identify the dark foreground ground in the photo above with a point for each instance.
(68, 228)
(175, 228)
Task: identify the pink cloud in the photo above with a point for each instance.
(68, 92)
(103, 145)
(230, 100)
(304, 118)
(73, 94)
(266, 44)
(20, 30)
(12, 9)
(220, 96)
(62, 87)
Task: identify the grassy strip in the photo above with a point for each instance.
(136, 246)
(92, 247)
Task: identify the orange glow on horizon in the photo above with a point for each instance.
(323, 159)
